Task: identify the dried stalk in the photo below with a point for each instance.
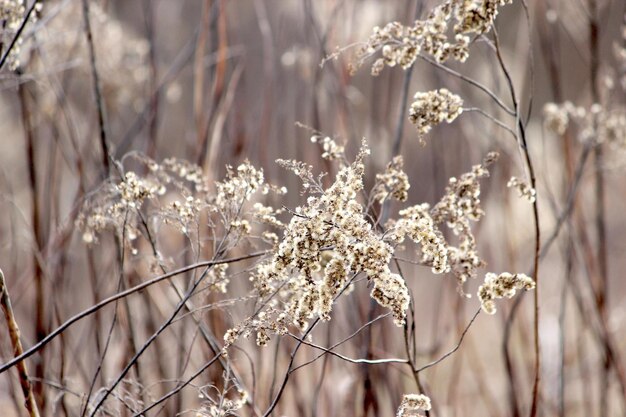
(14, 332)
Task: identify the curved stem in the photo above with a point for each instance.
(533, 183)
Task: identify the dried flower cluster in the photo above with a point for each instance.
(117, 206)
(329, 240)
(236, 189)
(221, 406)
(304, 172)
(416, 223)
(217, 280)
(612, 127)
(433, 107)
(329, 146)
(457, 208)
(13, 14)
(500, 286)
(557, 117)
(523, 188)
(178, 193)
(598, 124)
(401, 45)
(333, 222)
(268, 215)
(269, 321)
(392, 183)
(413, 405)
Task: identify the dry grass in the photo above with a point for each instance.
(218, 208)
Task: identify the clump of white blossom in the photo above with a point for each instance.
(219, 405)
(457, 208)
(417, 223)
(335, 221)
(331, 149)
(445, 33)
(217, 279)
(304, 172)
(118, 206)
(392, 183)
(179, 195)
(434, 107)
(267, 215)
(598, 124)
(523, 188)
(239, 185)
(612, 127)
(413, 405)
(330, 240)
(557, 117)
(501, 286)
(267, 322)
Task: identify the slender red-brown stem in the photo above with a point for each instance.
(14, 333)
(38, 273)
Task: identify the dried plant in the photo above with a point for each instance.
(213, 282)
(400, 45)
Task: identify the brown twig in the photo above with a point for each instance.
(14, 332)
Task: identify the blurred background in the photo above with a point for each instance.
(217, 82)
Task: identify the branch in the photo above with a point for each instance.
(115, 297)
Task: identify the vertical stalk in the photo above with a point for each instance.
(600, 202)
(523, 144)
(14, 332)
(40, 319)
(150, 21)
(104, 144)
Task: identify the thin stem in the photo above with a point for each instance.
(347, 359)
(533, 183)
(491, 118)
(397, 141)
(292, 358)
(600, 201)
(329, 349)
(115, 297)
(150, 340)
(470, 81)
(37, 230)
(14, 333)
(179, 387)
(453, 350)
(107, 157)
